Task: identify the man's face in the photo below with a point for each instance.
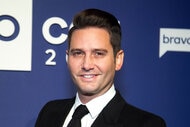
(91, 61)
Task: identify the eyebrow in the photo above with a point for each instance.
(102, 50)
(73, 50)
(93, 50)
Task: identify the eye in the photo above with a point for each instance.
(100, 53)
(77, 53)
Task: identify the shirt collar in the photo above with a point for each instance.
(96, 105)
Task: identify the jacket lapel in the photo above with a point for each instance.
(109, 117)
(64, 112)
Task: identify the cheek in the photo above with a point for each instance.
(74, 65)
(71, 65)
(107, 67)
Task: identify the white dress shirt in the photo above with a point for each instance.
(95, 106)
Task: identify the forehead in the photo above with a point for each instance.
(90, 37)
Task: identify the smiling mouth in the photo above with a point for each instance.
(88, 76)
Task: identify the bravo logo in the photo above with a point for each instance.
(15, 35)
(176, 40)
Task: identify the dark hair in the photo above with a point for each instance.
(100, 19)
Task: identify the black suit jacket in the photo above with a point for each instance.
(117, 113)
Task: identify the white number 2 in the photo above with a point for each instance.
(50, 61)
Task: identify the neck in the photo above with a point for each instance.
(86, 97)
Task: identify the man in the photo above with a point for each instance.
(94, 54)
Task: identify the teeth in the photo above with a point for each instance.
(88, 76)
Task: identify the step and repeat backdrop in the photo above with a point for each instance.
(33, 70)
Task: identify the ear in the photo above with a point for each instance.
(66, 56)
(119, 60)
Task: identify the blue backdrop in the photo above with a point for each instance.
(160, 85)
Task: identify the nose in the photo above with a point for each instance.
(88, 63)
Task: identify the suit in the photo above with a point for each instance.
(117, 113)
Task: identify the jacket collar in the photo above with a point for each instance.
(110, 115)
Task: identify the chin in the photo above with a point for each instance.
(88, 92)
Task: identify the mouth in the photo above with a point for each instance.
(88, 77)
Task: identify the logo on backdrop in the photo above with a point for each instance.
(15, 35)
(176, 40)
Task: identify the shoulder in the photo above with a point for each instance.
(58, 103)
(141, 117)
(136, 117)
(53, 113)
